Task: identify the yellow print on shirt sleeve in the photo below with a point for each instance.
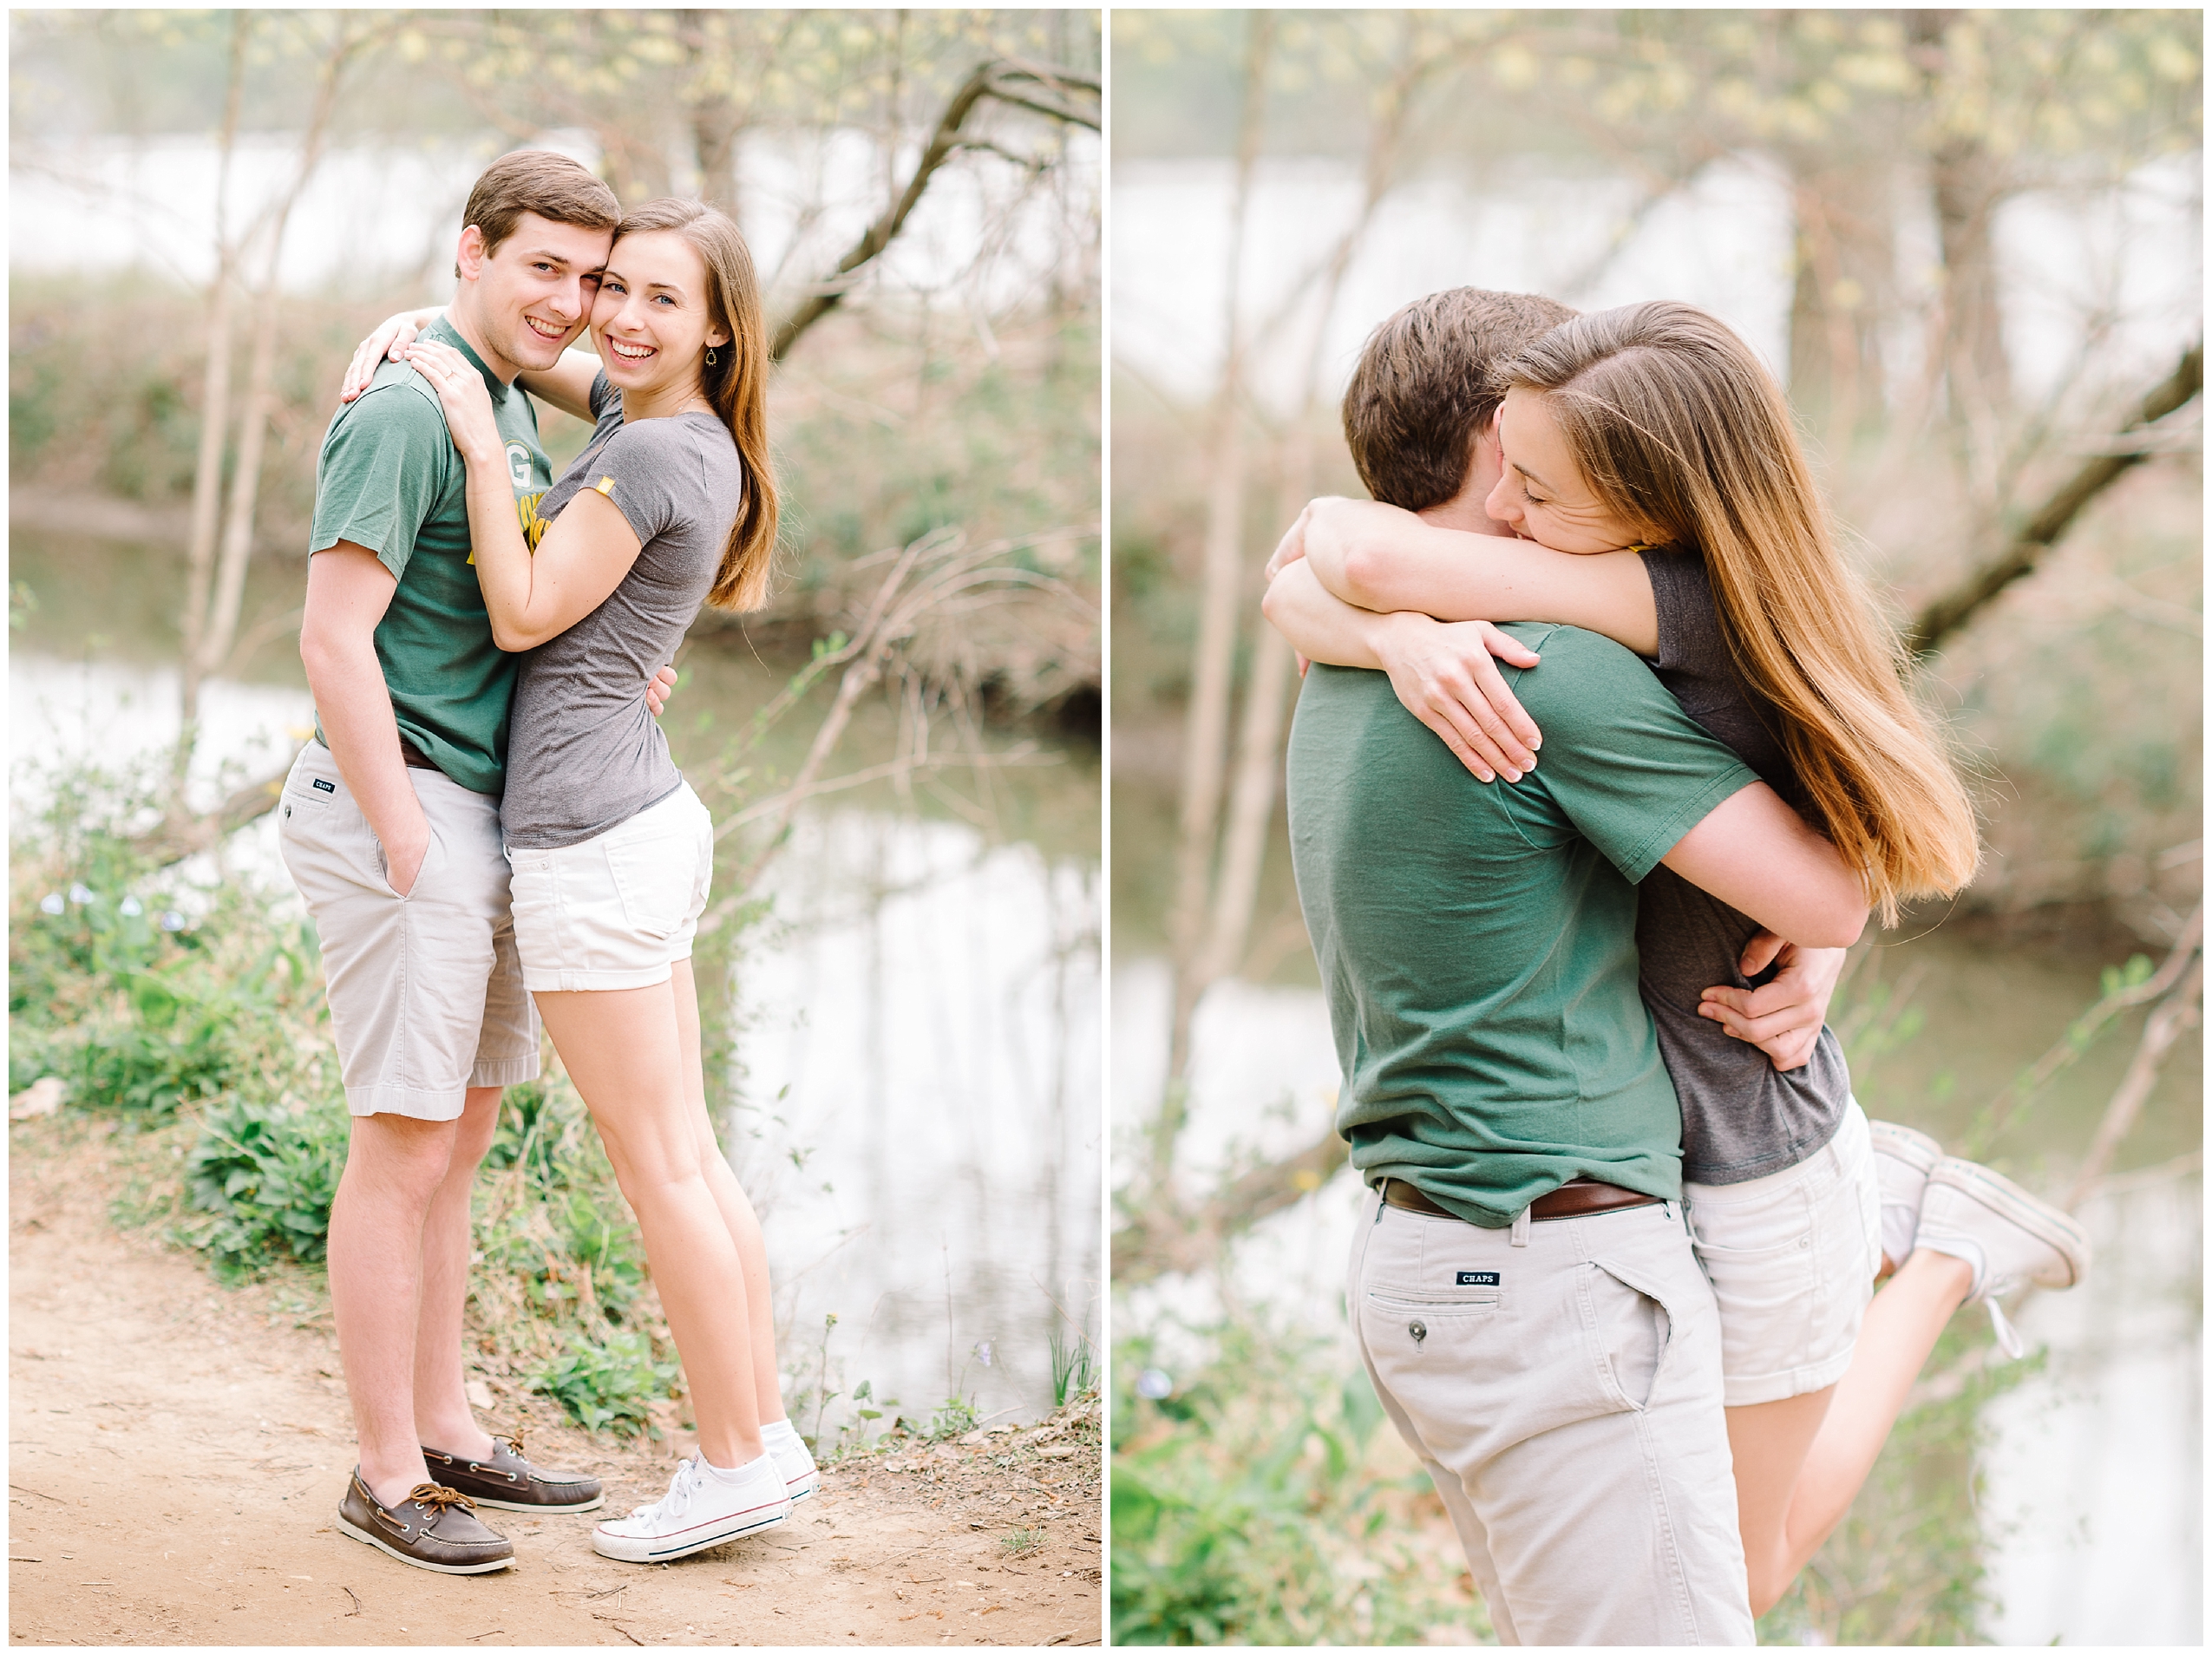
(533, 526)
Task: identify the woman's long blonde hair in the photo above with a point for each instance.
(1681, 432)
(735, 385)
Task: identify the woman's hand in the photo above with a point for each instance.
(389, 338)
(469, 406)
(1443, 673)
(1782, 1019)
(1289, 549)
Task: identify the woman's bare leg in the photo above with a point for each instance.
(1770, 1441)
(1827, 1451)
(624, 1048)
(736, 1211)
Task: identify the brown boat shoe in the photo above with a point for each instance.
(433, 1529)
(507, 1481)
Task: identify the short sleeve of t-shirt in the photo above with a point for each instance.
(1622, 764)
(382, 471)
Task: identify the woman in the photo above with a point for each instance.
(672, 503)
(1650, 462)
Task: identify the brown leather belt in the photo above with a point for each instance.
(412, 756)
(1576, 1200)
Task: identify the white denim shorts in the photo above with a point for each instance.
(1792, 1257)
(618, 911)
(426, 993)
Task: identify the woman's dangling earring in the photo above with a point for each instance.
(710, 355)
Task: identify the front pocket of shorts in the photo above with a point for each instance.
(1767, 1297)
(654, 879)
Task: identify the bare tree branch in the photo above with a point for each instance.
(1003, 80)
(1952, 611)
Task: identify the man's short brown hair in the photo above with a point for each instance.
(540, 181)
(1428, 381)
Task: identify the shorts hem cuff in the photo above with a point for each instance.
(402, 1100)
(504, 1071)
(1780, 1387)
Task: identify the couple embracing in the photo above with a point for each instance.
(487, 828)
(1614, 1277)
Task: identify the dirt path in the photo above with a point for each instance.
(177, 1451)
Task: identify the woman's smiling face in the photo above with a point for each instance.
(1541, 492)
(651, 321)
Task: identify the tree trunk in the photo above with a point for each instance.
(214, 423)
(1844, 254)
(1964, 191)
(1206, 721)
(220, 625)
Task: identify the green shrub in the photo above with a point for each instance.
(1245, 1509)
(265, 1179)
(606, 1383)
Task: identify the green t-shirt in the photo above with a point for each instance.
(390, 480)
(1477, 941)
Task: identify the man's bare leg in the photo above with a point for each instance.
(736, 1210)
(443, 1417)
(394, 1165)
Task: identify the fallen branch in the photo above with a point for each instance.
(2084, 1029)
(2174, 1015)
(1168, 1238)
(1947, 613)
(179, 836)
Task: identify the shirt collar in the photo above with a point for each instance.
(442, 331)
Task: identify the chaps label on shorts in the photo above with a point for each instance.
(1477, 1278)
(321, 786)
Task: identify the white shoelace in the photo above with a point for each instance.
(2008, 1336)
(677, 1500)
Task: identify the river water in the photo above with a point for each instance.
(2092, 1508)
(918, 1076)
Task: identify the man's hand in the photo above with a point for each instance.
(403, 854)
(1443, 674)
(1782, 1019)
(658, 689)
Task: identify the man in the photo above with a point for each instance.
(1522, 1287)
(390, 825)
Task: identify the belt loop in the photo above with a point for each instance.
(1520, 1228)
(1382, 1199)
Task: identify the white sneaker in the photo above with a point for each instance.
(699, 1510)
(2009, 1238)
(801, 1476)
(1902, 1161)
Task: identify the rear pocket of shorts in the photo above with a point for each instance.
(655, 878)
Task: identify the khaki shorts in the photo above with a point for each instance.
(618, 909)
(426, 989)
(1792, 1257)
(1565, 1396)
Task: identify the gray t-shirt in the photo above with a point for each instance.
(1741, 1118)
(583, 753)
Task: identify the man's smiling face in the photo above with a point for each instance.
(522, 303)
